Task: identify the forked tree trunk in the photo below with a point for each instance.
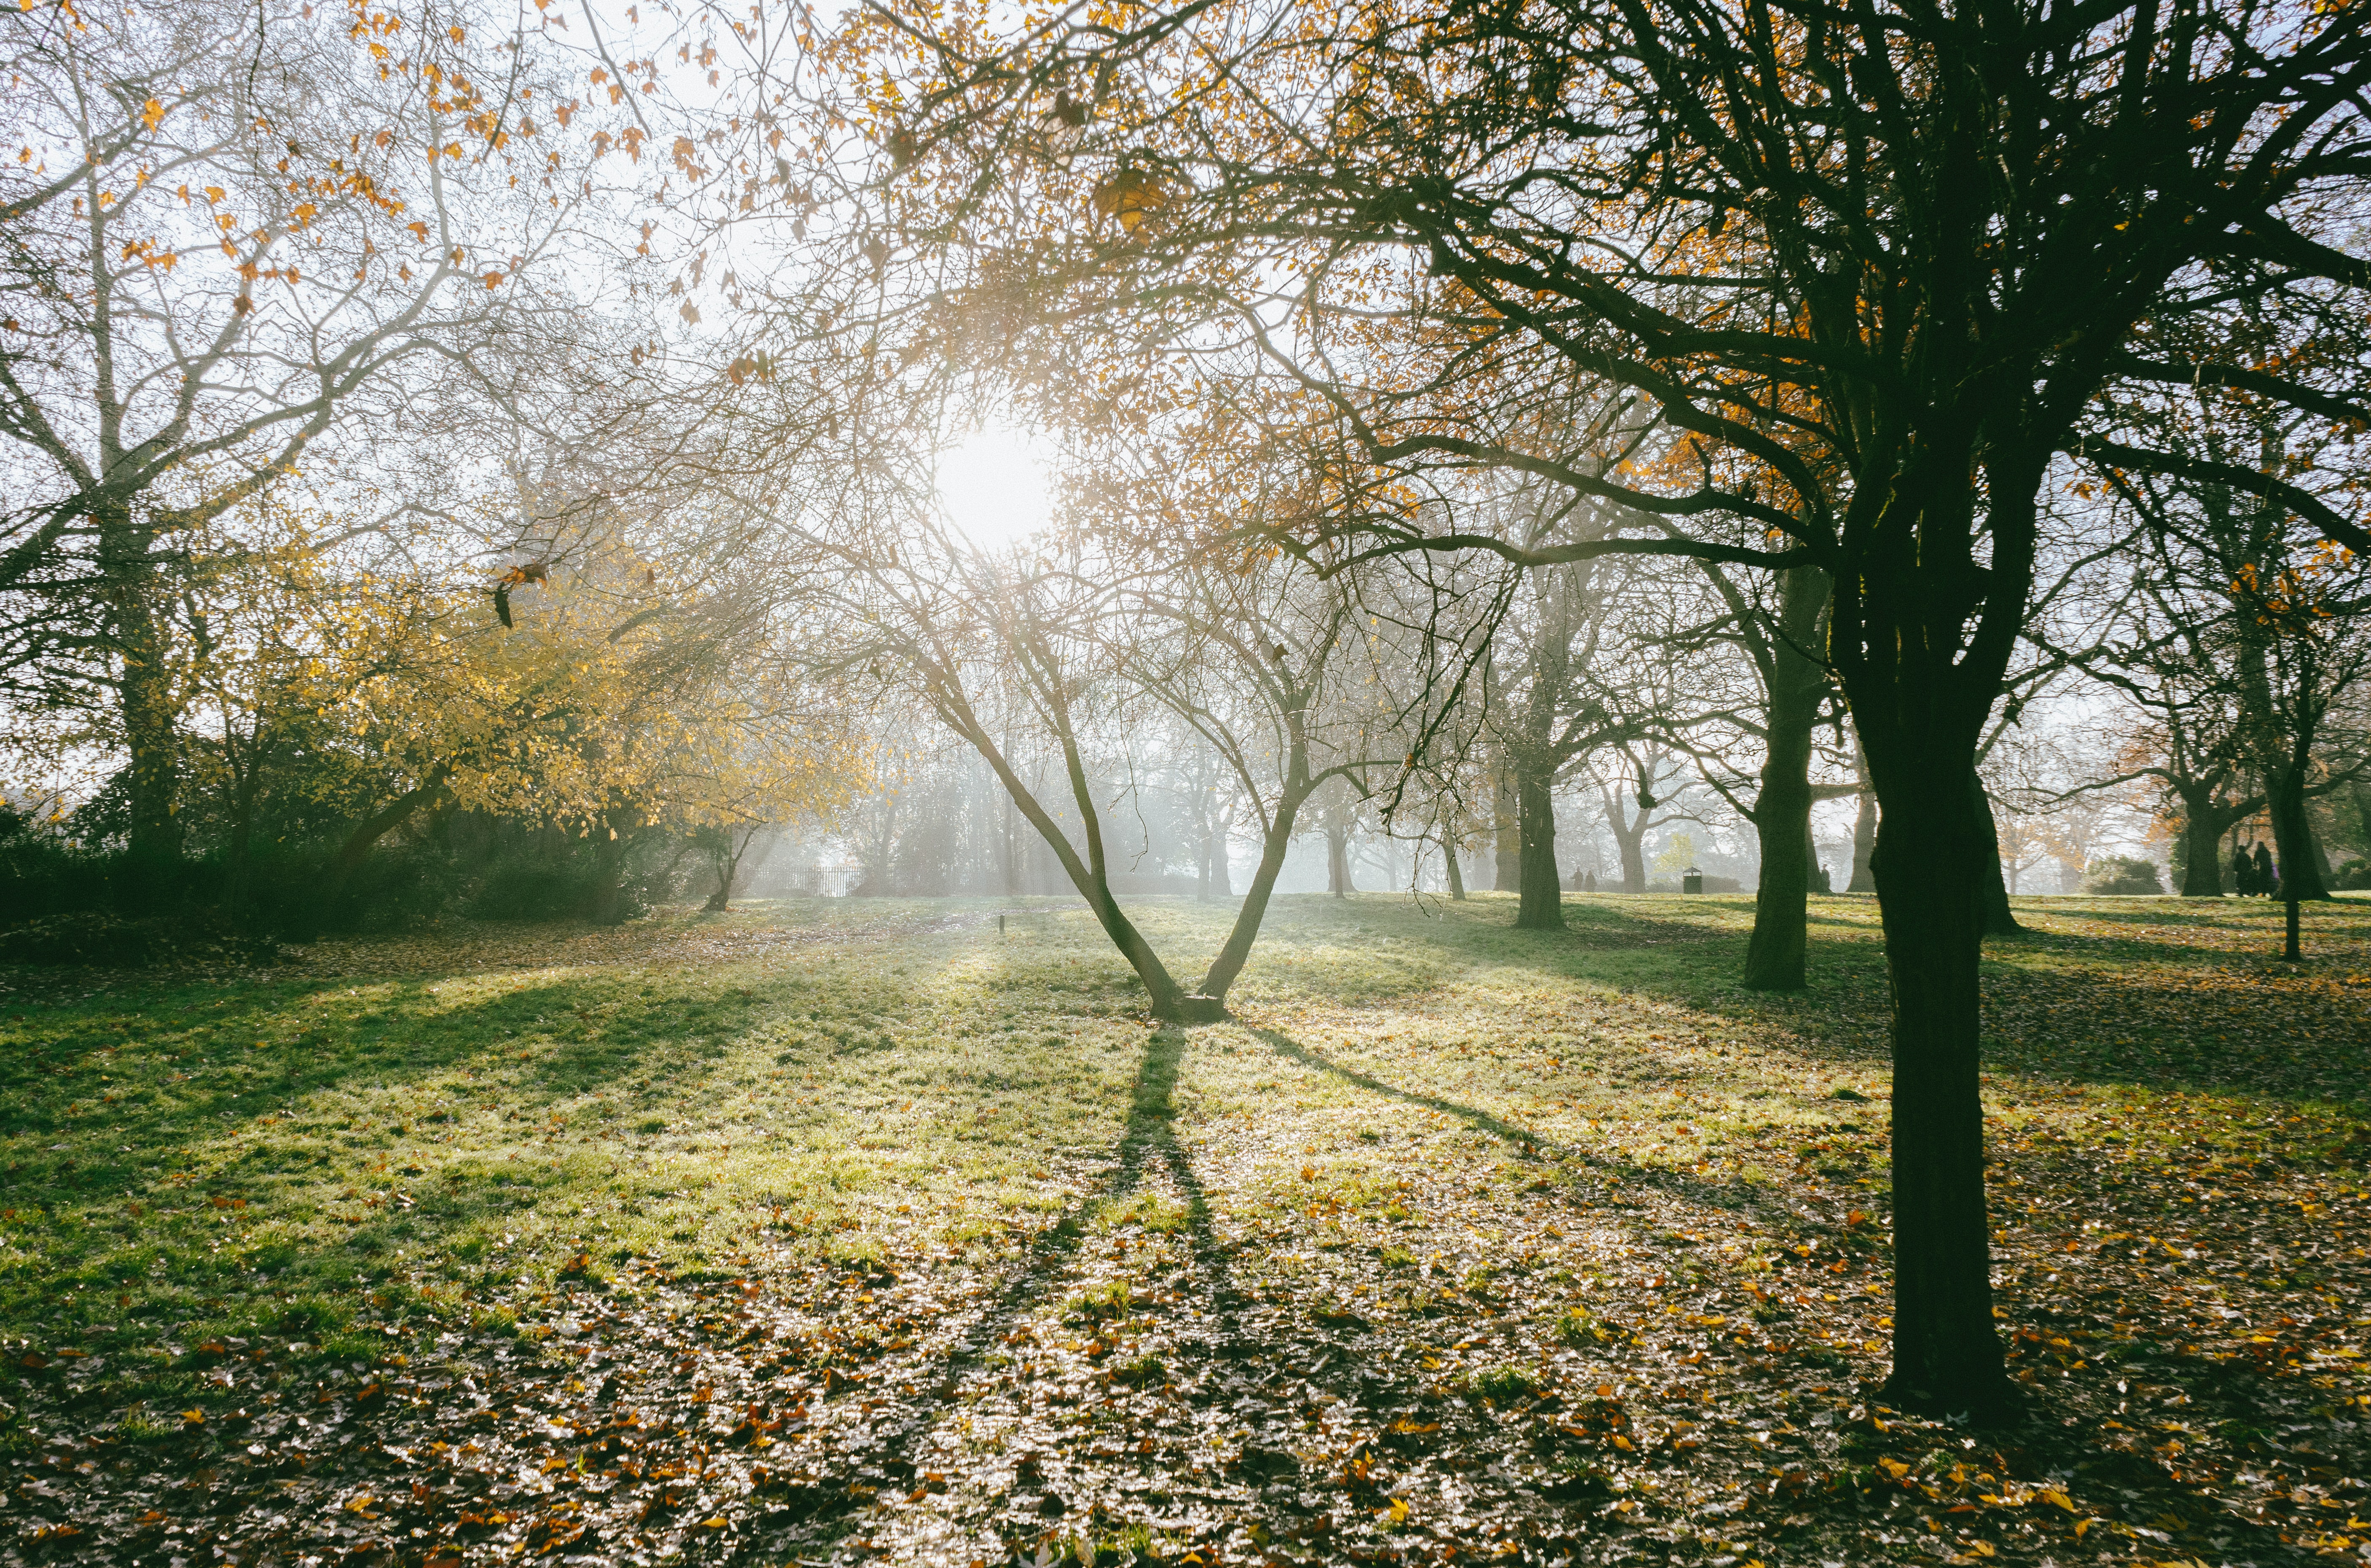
(1930, 873)
(1541, 891)
(1630, 841)
(1338, 861)
(1208, 1002)
(2206, 817)
(2293, 842)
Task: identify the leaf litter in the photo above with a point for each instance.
(1533, 1256)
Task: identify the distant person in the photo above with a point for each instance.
(2243, 872)
(1821, 878)
(1591, 879)
(2268, 877)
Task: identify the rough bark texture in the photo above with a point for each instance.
(1947, 1355)
(1541, 906)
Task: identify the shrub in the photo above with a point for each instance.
(2355, 873)
(2121, 874)
(88, 936)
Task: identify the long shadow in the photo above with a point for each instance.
(1530, 1145)
(1148, 1139)
(2162, 1033)
(422, 1038)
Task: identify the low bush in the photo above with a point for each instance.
(2115, 874)
(89, 936)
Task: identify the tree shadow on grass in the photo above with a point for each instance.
(1530, 1145)
(1147, 1141)
(2149, 1024)
(1146, 1145)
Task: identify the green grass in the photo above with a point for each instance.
(389, 1133)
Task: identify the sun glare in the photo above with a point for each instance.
(995, 486)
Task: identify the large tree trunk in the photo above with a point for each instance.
(1782, 821)
(1541, 891)
(1338, 861)
(1782, 810)
(1864, 844)
(1629, 841)
(1931, 874)
(607, 904)
(2203, 825)
(1507, 837)
(242, 834)
(2293, 842)
(146, 703)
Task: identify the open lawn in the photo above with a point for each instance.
(851, 1229)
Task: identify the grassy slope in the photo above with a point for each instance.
(1414, 1101)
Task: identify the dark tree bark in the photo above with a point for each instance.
(1782, 821)
(1541, 900)
(378, 825)
(2000, 920)
(2293, 840)
(1928, 865)
(2206, 815)
(607, 903)
(146, 702)
(1795, 684)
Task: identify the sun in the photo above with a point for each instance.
(996, 487)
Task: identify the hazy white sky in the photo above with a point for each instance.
(995, 486)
